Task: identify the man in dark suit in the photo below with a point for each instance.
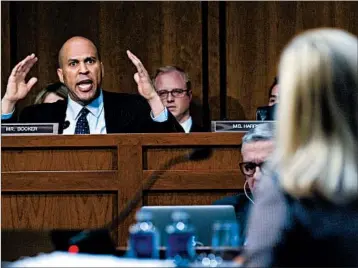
(257, 145)
(89, 109)
(173, 86)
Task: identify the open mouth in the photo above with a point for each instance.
(85, 85)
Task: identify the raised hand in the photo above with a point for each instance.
(17, 88)
(142, 78)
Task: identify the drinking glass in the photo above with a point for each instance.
(226, 239)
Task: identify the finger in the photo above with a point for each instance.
(136, 78)
(15, 69)
(25, 61)
(140, 67)
(28, 65)
(31, 83)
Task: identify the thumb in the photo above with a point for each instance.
(31, 83)
(136, 78)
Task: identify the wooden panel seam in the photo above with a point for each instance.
(59, 181)
(175, 180)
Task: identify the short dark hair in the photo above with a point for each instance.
(274, 83)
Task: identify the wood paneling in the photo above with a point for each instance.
(256, 35)
(45, 211)
(163, 33)
(213, 60)
(159, 198)
(5, 45)
(28, 181)
(55, 193)
(220, 158)
(51, 160)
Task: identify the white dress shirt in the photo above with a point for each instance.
(186, 125)
(95, 117)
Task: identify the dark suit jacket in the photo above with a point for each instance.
(124, 113)
(196, 128)
(310, 232)
(241, 205)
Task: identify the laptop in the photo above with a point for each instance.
(202, 217)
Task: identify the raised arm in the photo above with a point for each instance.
(17, 88)
(145, 86)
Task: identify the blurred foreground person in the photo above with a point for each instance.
(306, 209)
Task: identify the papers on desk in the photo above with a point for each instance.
(64, 259)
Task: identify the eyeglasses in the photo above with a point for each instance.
(176, 93)
(249, 168)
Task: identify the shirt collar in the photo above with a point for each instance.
(187, 124)
(95, 107)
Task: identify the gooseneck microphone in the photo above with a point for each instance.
(66, 124)
(87, 236)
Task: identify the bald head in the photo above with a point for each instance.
(75, 42)
(80, 69)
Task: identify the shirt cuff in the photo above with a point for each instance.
(7, 116)
(162, 117)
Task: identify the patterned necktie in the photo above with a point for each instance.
(82, 126)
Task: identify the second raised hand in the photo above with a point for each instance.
(142, 78)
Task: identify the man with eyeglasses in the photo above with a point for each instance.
(174, 89)
(257, 145)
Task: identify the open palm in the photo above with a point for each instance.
(142, 78)
(17, 88)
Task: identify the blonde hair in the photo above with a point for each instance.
(169, 69)
(317, 130)
(57, 88)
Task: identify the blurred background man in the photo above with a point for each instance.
(173, 86)
(257, 146)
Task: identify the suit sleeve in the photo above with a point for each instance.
(146, 123)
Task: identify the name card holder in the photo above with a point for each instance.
(235, 126)
(27, 129)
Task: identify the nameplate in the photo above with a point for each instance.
(235, 126)
(29, 129)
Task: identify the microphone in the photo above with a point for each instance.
(66, 124)
(87, 236)
(266, 113)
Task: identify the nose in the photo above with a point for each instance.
(257, 174)
(83, 68)
(170, 97)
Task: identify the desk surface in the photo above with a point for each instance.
(63, 259)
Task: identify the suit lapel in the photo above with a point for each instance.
(60, 114)
(111, 114)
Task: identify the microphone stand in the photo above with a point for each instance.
(196, 155)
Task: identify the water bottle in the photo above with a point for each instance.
(143, 237)
(181, 235)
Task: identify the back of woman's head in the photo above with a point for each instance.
(59, 89)
(318, 115)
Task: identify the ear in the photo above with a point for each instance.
(60, 75)
(102, 70)
(190, 95)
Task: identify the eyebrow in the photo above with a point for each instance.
(85, 59)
